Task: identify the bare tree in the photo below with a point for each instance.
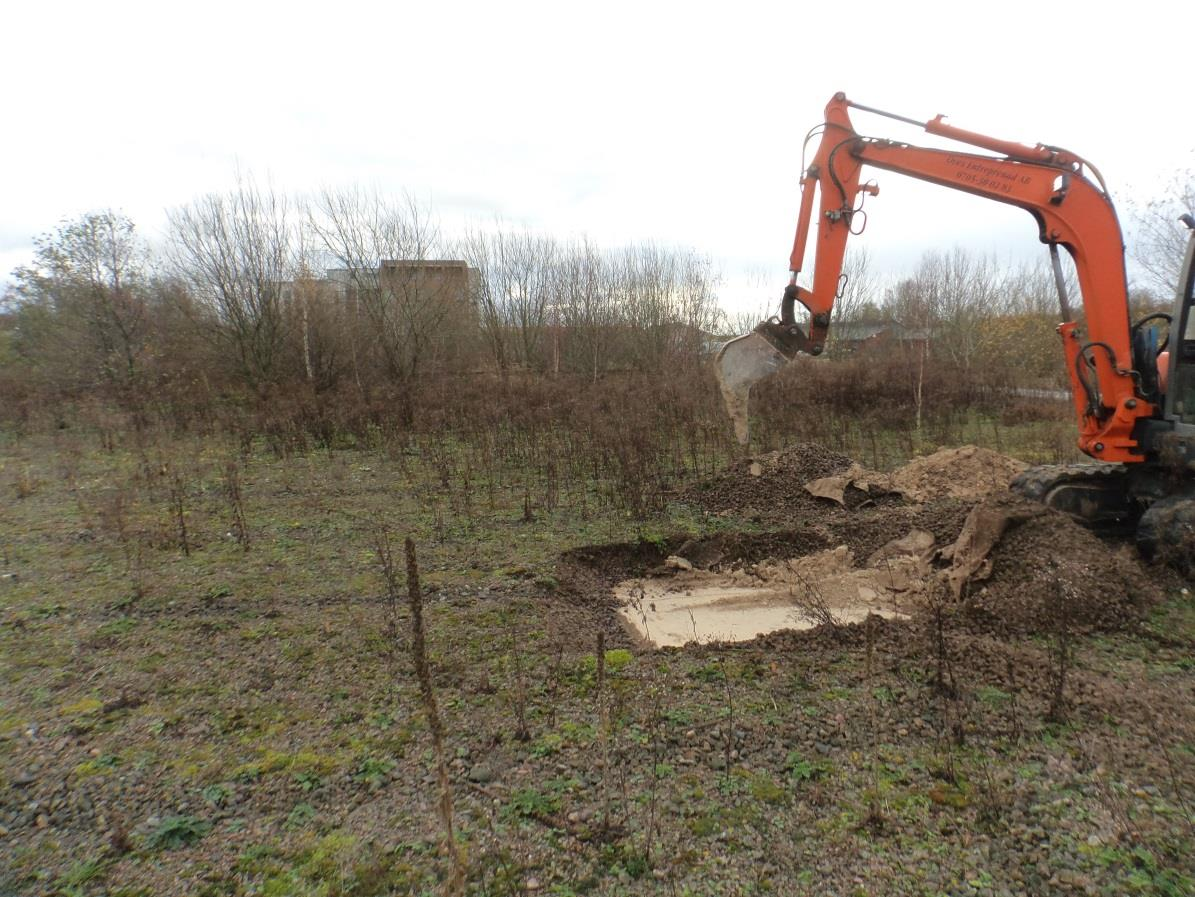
(234, 251)
(952, 297)
(406, 310)
(1159, 240)
(858, 291)
(669, 303)
(477, 248)
(584, 305)
(515, 293)
(524, 280)
(324, 324)
(85, 299)
(645, 277)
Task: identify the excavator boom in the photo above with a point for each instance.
(1063, 194)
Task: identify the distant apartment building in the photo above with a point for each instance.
(414, 306)
(450, 281)
(878, 335)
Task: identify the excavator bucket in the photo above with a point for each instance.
(739, 365)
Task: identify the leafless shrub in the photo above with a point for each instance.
(236, 503)
(178, 508)
(811, 604)
(114, 509)
(392, 586)
(728, 695)
(603, 721)
(655, 753)
(1016, 728)
(455, 884)
(935, 612)
(26, 484)
(991, 798)
(1157, 730)
(875, 819)
(1099, 758)
(519, 695)
(553, 684)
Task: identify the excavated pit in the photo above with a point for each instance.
(848, 543)
(743, 604)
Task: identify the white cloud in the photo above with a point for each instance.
(675, 122)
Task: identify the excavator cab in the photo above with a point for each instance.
(1166, 528)
(1180, 398)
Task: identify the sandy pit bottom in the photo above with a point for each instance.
(801, 593)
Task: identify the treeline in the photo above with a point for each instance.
(235, 305)
(237, 295)
(972, 314)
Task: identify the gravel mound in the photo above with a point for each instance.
(1049, 572)
(772, 486)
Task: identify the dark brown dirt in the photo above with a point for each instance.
(1050, 572)
(778, 493)
(1047, 572)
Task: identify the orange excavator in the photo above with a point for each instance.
(1133, 383)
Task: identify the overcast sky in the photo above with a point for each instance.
(679, 123)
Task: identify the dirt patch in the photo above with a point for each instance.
(587, 576)
(825, 588)
(801, 478)
(1008, 564)
(968, 472)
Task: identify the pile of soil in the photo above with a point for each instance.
(772, 486)
(1049, 572)
(968, 472)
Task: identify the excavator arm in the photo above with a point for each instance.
(1072, 209)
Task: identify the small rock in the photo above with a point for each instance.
(481, 773)
(531, 884)
(675, 562)
(23, 779)
(756, 469)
